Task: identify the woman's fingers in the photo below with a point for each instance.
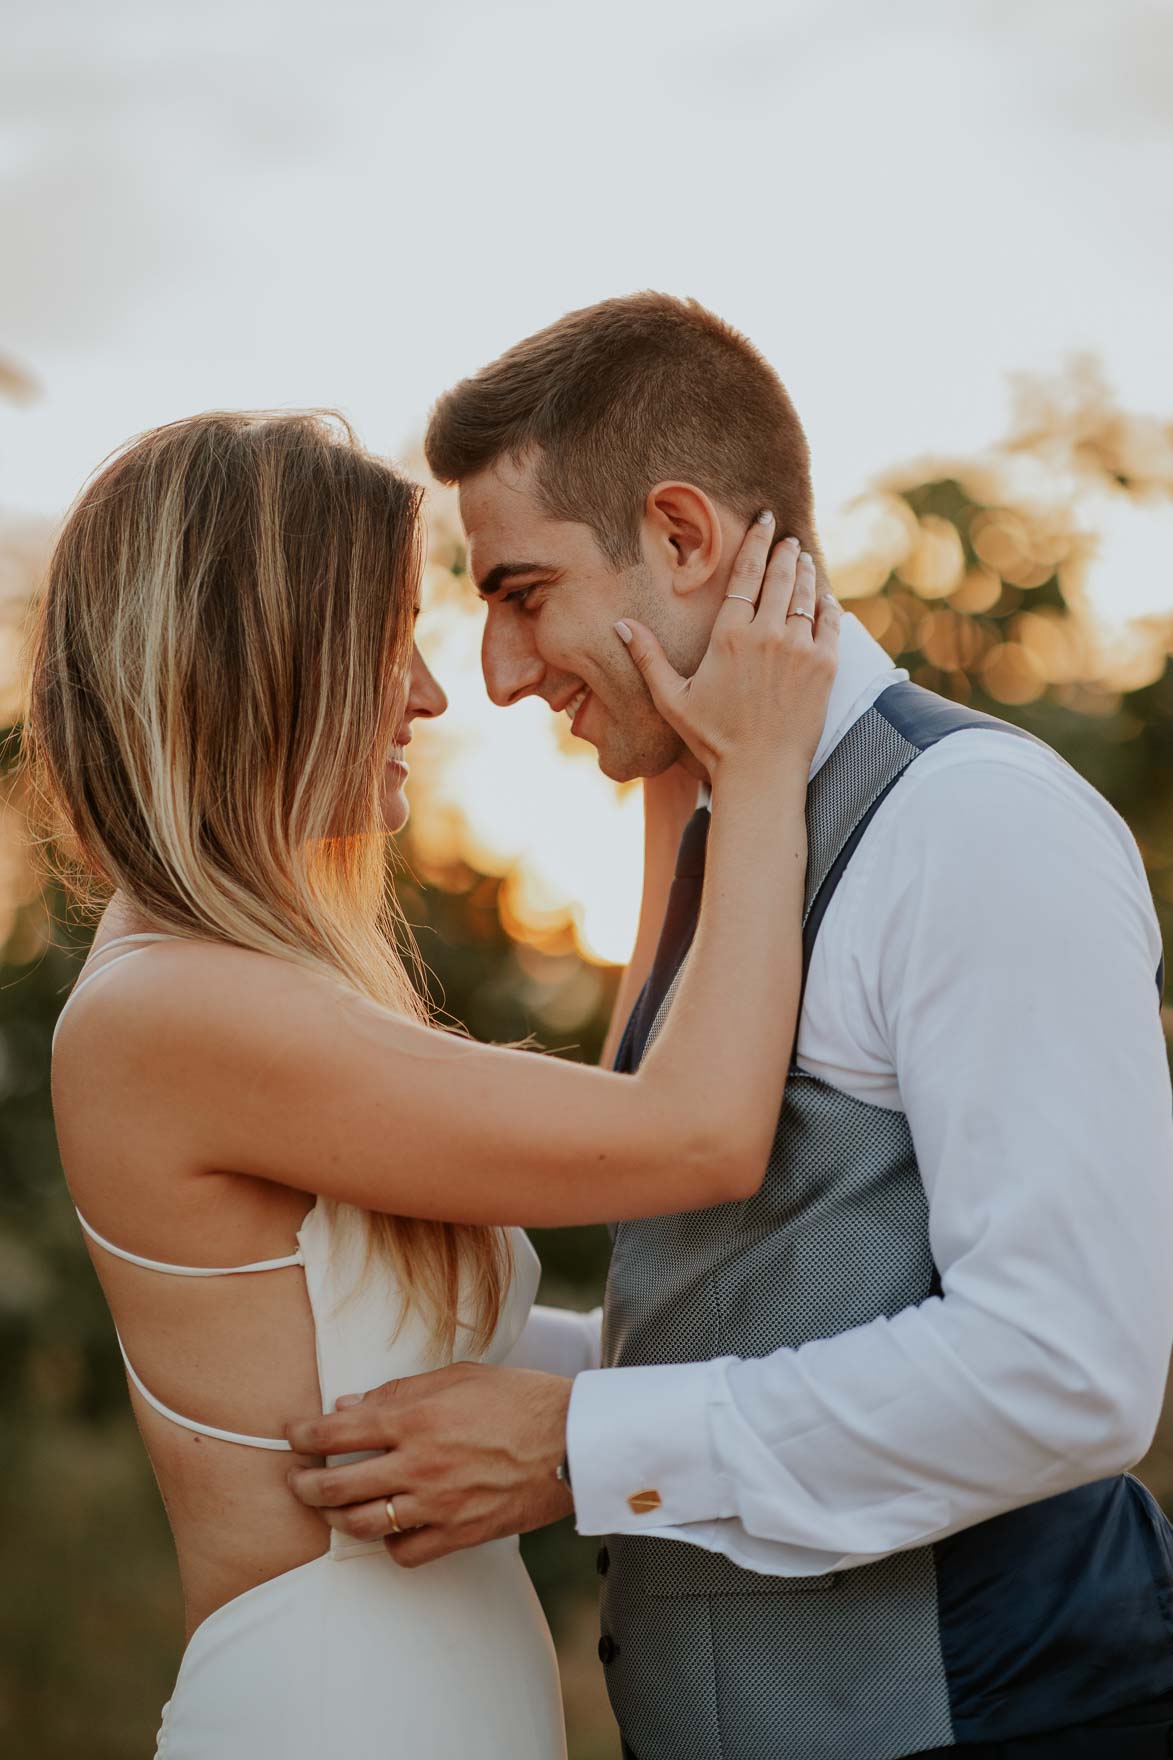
(745, 578)
(765, 651)
(802, 598)
(778, 586)
(828, 619)
(665, 686)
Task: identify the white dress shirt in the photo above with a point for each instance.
(987, 966)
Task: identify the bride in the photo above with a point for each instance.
(292, 1183)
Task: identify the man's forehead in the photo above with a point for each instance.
(502, 519)
(502, 494)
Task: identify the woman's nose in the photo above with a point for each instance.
(427, 697)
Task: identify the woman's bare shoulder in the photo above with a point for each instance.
(134, 994)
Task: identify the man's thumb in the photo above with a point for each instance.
(663, 681)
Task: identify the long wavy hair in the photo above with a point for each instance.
(215, 681)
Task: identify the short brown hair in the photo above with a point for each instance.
(622, 395)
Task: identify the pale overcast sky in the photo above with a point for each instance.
(354, 204)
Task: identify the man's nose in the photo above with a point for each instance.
(512, 666)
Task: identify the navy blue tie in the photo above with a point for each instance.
(684, 903)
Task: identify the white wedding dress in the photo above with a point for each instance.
(350, 1655)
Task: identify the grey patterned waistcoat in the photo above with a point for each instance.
(705, 1661)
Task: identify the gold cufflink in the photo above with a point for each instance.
(642, 1503)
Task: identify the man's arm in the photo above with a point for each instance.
(669, 802)
(1014, 984)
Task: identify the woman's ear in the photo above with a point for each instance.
(682, 531)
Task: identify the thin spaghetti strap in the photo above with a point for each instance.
(188, 1270)
(100, 971)
(164, 1411)
(289, 1259)
(120, 939)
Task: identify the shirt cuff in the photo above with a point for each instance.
(640, 1447)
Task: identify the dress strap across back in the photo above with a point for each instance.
(100, 971)
(162, 1265)
(171, 1270)
(194, 1423)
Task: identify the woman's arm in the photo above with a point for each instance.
(669, 802)
(291, 1077)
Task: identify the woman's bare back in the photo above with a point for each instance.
(234, 1352)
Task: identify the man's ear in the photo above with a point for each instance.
(682, 529)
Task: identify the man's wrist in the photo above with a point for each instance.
(561, 1449)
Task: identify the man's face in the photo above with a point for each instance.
(553, 599)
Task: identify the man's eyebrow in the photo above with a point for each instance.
(505, 571)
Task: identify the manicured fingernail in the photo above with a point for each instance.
(623, 631)
(804, 556)
(765, 518)
(793, 542)
(347, 1399)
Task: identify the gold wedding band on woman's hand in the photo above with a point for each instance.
(395, 1528)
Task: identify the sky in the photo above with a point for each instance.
(903, 205)
(242, 204)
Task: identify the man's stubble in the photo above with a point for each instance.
(640, 742)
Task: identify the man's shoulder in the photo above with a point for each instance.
(995, 798)
(960, 758)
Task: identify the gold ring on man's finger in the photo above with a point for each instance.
(395, 1528)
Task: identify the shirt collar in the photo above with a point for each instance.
(864, 671)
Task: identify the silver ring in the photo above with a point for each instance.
(742, 597)
(808, 614)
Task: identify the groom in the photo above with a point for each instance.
(859, 1447)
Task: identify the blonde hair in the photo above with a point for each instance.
(228, 611)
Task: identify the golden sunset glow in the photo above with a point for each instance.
(509, 792)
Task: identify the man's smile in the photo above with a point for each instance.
(573, 706)
(576, 705)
